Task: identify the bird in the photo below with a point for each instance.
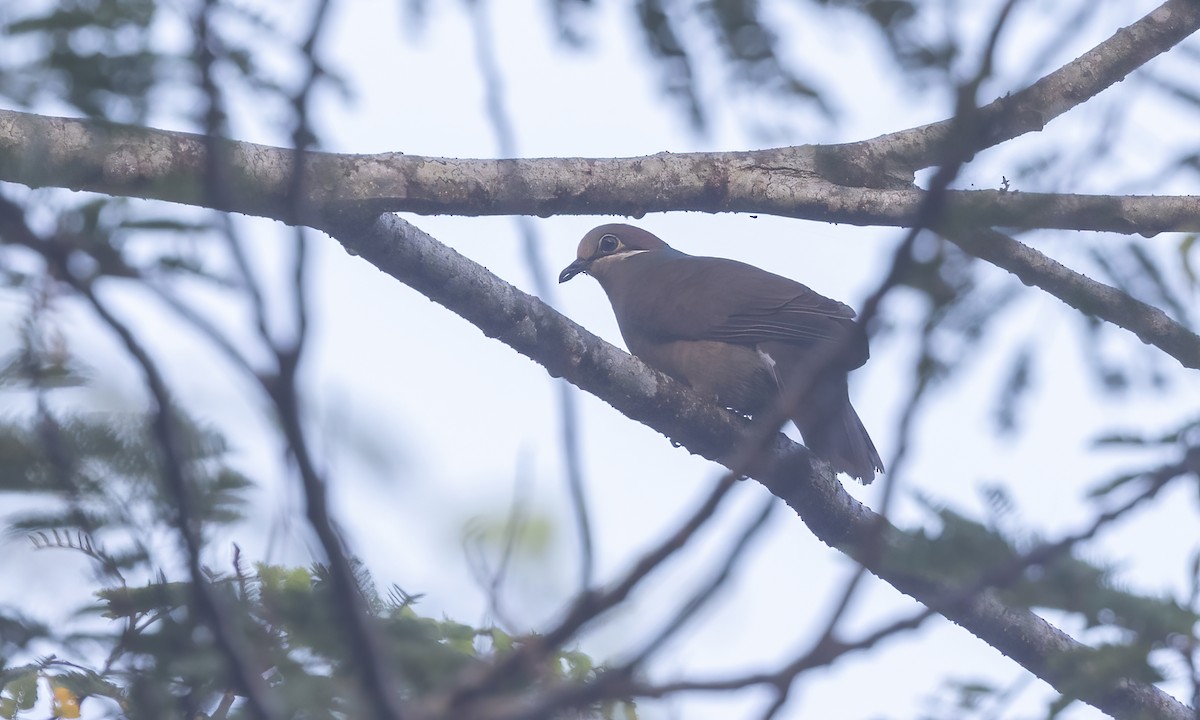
(737, 334)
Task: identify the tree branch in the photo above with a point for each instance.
(837, 183)
(1031, 109)
(1150, 324)
(567, 350)
(140, 162)
(798, 182)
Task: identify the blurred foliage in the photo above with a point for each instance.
(144, 648)
(284, 618)
(752, 54)
(960, 699)
(970, 555)
(752, 57)
(97, 475)
(100, 494)
(95, 55)
(118, 237)
(107, 58)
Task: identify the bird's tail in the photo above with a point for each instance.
(832, 430)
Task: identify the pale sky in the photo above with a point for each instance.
(425, 423)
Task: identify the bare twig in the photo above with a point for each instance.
(377, 679)
(282, 387)
(956, 151)
(587, 607)
(1191, 644)
(489, 68)
(475, 550)
(202, 325)
(551, 704)
(216, 169)
(512, 530)
(707, 592)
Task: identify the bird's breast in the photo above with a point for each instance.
(735, 376)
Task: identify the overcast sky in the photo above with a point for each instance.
(424, 423)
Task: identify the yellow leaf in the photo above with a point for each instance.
(65, 703)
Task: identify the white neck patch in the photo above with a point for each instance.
(606, 259)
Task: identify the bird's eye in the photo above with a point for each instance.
(608, 243)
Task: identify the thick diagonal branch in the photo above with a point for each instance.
(567, 350)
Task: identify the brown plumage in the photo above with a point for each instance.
(736, 333)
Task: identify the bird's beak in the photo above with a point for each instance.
(570, 271)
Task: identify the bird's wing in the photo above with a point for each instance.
(702, 298)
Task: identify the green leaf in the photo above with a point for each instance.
(503, 642)
(579, 665)
(629, 710)
(23, 690)
(133, 601)
(458, 636)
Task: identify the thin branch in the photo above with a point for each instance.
(955, 155)
(587, 607)
(827, 649)
(513, 527)
(957, 150)
(707, 592)
(376, 678)
(533, 654)
(201, 325)
(220, 187)
(1191, 645)
(489, 67)
(621, 684)
(216, 169)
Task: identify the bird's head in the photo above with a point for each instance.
(607, 245)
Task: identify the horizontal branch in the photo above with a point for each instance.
(567, 350)
(139, 162)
